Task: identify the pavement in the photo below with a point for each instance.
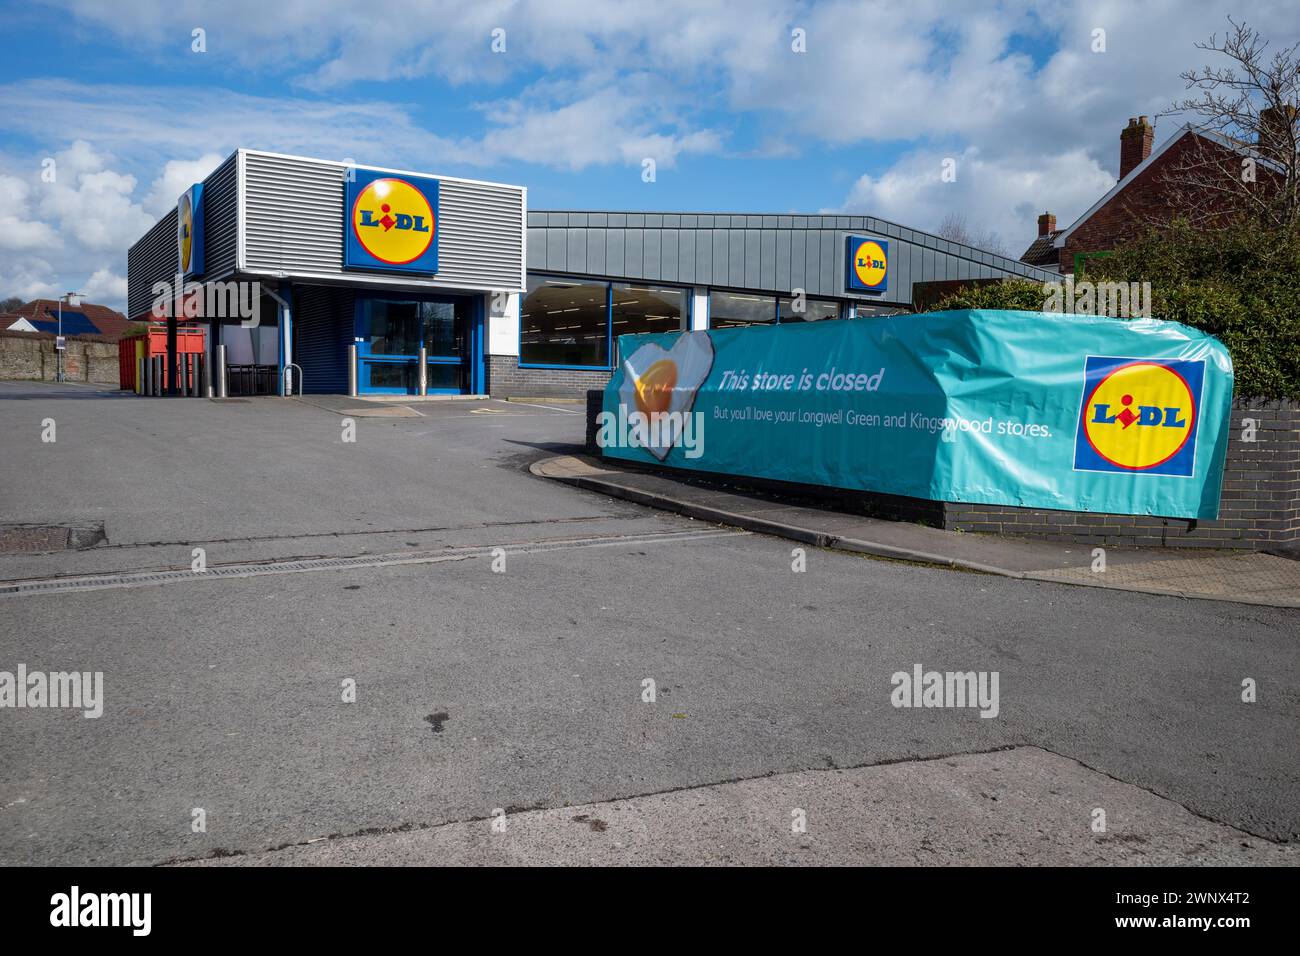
(1244, 578)
(498, 629)
(975, 810)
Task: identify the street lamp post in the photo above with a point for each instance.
(74, 299)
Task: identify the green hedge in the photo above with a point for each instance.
(1242, 285)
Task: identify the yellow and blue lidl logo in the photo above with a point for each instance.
(1139, 416)
(867, 269)
(189, 230)
(392, 222)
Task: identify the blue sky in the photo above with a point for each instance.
(734, 118)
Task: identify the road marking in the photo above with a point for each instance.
(549, 408)
(128, 579)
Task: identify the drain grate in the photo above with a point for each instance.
(127, 579)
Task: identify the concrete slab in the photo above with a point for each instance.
(1023, 806)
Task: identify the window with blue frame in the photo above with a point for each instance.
(731, 309)
(565, 322)
(639, 309)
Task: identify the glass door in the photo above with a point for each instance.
(444, 325)
(390, 333)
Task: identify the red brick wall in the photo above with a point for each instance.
(1156, 196)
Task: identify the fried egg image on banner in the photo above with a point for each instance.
(661, 380)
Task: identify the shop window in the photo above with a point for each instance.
(564, 322)
(727, 309)
(814, 310)
(394, 327)
(647, 308)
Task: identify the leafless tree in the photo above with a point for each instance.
(955, 228)
(1247, 109)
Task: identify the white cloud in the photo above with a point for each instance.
(609, 126)
(1011, 87)
(104, 287)
(1003, 194)
(177, 176)
(65, 221)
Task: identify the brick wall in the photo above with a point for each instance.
(31, 356)
(506, 379)
(1165, 188)
(1259, 506)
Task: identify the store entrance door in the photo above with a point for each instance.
(390, 333)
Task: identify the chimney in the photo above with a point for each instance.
(1135, 142)
(1046, 224)
(1277, 132)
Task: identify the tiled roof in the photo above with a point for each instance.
(1041, 252)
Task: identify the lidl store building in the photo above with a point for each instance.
(498, 299)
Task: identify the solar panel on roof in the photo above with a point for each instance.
(74, 323)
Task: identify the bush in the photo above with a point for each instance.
(1012, 294)
(1240, 284)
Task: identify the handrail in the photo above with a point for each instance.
(298, 377)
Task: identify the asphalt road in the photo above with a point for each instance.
(478, 690)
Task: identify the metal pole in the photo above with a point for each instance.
(173, 358)
(352, 370)
(424, 371)
(58, 375)
(146, 376)
(205, 384)
(221, 371)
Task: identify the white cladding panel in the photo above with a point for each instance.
(293, 224)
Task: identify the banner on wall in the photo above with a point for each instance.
(1030, 409)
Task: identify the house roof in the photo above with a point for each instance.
(1228, 142)
(1041, 251)
(86, 319)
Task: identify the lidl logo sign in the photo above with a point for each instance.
(189, 231)
(867, 269)
(392, 222)
(1139, 416)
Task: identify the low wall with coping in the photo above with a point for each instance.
(31, 357)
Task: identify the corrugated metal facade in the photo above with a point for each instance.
(322, 331)
(293, 224)
(221, 219)
(153, 257)
(770, 253)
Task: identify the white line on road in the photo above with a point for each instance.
(127, 579)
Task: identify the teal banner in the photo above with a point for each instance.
(1069, 412)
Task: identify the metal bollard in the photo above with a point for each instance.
(205, 385)
(424, 371)
(221, 371)
(352, 370)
